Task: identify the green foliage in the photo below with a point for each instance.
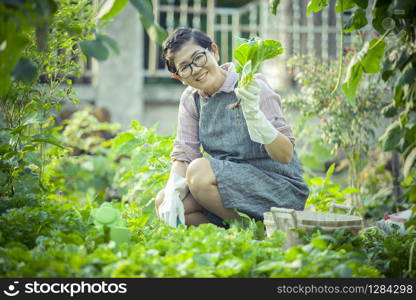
(273, 4)
(107, 12)
(89, 171)
(99, 48)
(144, 162)
(323, 192)
(250, 54)
(145, 9)
(368, 60)
(392, 254)
(357, 21)
(27, 139)
(316, 6)
(66, 244)
(342, 125)
(99, 45)
(392, 57)
(17, 20)
(52, 180)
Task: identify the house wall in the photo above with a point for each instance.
(119, 81)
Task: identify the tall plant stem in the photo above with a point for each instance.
(341, 50)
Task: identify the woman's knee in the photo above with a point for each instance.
(199, 173)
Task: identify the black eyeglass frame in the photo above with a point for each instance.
(193, 63)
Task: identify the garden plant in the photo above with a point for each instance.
(55, 179)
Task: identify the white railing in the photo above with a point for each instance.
(297, 32)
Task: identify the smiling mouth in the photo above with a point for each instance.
(201, 77)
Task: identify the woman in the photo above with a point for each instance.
(252, 165)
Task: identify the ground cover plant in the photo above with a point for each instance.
(53, 178)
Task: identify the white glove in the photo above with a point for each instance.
(172, 211)
(259, 128)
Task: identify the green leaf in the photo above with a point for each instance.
(352, 81)
(407, 76)
(122, 138)
(95, 48)
(319, 243)
(33, 158)
(145, 9)
(25, 70)
(250, 54)
(139, 160)
(156, 33)
(367, 60)
(343, 271)
(105, 39)
(111, 9)
(357, 21)
(380, 15)
(346, 5)
(128, 147)
(361, 3)
(273, 4)
(136, 125)
(14, 42)
(330, 171)
(409, 162)
(391, 138)
(350, 190)
(241, 54)
(316, 6)
(268, 49)
(49, 140)
(389, 111)
(372, 60)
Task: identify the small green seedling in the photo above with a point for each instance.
(107, 217)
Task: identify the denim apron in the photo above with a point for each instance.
(248, 179)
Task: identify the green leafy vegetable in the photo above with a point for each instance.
(249, 55)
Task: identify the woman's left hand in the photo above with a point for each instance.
(259, 128)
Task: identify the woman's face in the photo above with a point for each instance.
(203, 77)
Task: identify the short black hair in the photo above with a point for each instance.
(177, 39)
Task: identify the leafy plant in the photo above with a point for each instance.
(343, 126)
(323, 192)
(249, 54)
(392, 254)
(27, 123)
(391, 56)
(144, 162)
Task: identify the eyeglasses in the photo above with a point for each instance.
(199, 60)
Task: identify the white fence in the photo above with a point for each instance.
(297, 32)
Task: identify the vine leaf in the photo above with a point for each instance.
(343, 5)
(95, 48)
(367, 60)
(372, 60)
(145, 9)
(361, 3)
(390, 140)
(357, 21)
(316, 6)
(111, 8)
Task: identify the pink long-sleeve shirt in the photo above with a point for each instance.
(187, 146)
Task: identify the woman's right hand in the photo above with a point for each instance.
(172, 211)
